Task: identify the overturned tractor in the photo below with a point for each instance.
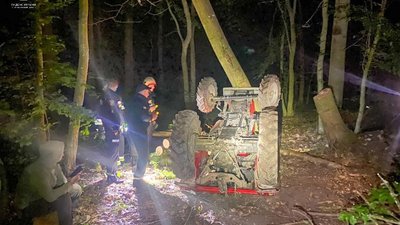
(240, 152)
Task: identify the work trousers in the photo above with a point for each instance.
(140, 153)
(112, 155)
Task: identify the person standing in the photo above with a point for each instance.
(151, 84)
(139, 119)
(111, 114)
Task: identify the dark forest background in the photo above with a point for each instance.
(253, 29)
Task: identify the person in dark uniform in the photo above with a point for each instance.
(151, 84)
(141, 115)
(111, 114)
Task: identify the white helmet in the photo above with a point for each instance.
(150, 82)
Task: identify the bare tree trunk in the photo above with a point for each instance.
(39, 74)
(271, 31)
(338, 49)
(92, 59)
(129, 73)
(192, 59)
(300, 61)
(321, 56)
(220, 45)
(185, 44)
(338, 135)
(301, 74)
(73, 130)
(370, 56)
(160, 49)
(282, 71)
(292, 52)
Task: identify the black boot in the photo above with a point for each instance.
(112, 179)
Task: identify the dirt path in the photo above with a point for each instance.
(308, 192)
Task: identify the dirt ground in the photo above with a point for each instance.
(310, 193)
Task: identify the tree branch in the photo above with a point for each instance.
(392, 193)
(304, 213)
(120, 8)
(284, 22)
(175, 20)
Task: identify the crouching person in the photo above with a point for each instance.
(43, 187)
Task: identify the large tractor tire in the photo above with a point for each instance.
(206, 90)
(186, 127)
(267, 170)
(269, 93)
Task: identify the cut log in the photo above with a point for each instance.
(337, 133)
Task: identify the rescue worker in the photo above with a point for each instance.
(151, 83)
(111, 114)
(139, 119)
(43, 187)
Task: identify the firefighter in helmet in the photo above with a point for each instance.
(142, 116)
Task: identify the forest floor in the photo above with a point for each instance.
(310, 191)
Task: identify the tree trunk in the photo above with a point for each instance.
(321, 56)
(292, 53)
(220, 45)
(338, 49)
(160, 49)
(129, 73)
(73, 130)
(338, 135)
(193, 88)
(300, 61)
(92, 59)
(185, 44)
(151, 49)
(39, 73)
(371, 52)
(301, 74)
(282, 71)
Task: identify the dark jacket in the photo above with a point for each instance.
(138, 115)
(111, 114)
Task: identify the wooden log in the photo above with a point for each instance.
(336, 131)
(164, 134)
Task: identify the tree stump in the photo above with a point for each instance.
(336, 131)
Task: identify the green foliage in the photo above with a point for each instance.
(159, 161)
(379, 206)
(387, 58)
(21, 105)
(167, 174)
(386, 55)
